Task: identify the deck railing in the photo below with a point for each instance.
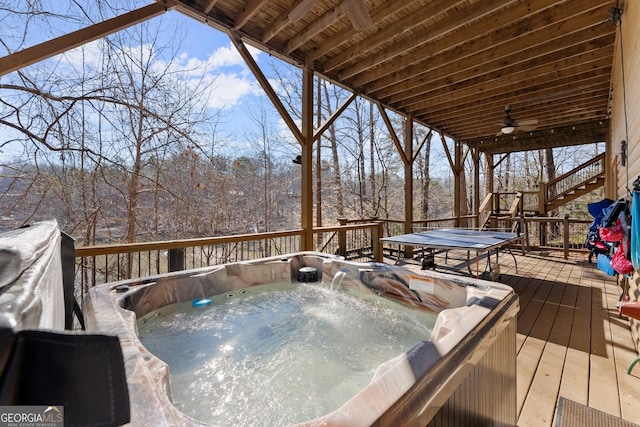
(538, 233)
(355, 240)
(571, 181)
(108, 263)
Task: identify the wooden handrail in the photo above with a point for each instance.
(576, 169)
(544, 199)
(87, 251)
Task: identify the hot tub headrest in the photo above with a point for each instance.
(83, 373)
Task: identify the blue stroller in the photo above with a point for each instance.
(598, 210)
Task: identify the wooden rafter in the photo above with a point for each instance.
(334, 116)
(208, 6)
(526, 37)
(381, 38)
(266, 86)
(394, 136)
(384, 11)
(435, 31)
(248, 11)
(576, 134)
(327, 19)
(525, 74)
(77, 38)
(424, 140)
(275, 27)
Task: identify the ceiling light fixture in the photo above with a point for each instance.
(508, 129)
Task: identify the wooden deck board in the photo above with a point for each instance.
(571, 341)
(575, 376)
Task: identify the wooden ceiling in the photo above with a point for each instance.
(452, 65)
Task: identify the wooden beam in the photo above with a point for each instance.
(432, 32)
(266, 86)
(561, 136)
(548, 114)
(457, 190)
(379, 38)
(61, 44)
(209, 6)
(492, 110)
(334, 116)
(319, 25)
(452, 164)
(557, 115)
(501, 160)
(408, 176)
(548, 66)
(393, 134)
(560, 81)
(276, 26)
(490, 167)
(475, 155)
(384, 11)
(300, 9)
(247, 12)
(484, 45)
(424, 140)
(306, 181)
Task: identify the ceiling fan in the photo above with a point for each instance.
(509, 124)
(356, 9)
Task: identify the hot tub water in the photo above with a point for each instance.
(278, 353)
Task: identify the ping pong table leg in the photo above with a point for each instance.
(515, 261)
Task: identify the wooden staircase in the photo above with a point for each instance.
(569, 186)
(491, 218)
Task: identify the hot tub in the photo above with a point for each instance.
(454, 363)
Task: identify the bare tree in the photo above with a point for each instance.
(101, 125)
(333, 140)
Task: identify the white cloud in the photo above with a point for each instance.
(227, 90)
(224, 56)
(89, 54)
(224, 73)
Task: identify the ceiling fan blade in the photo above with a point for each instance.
(527, 128)
(529, 122)
(358, 13)
(301, 9)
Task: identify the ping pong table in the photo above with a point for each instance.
(446, 239)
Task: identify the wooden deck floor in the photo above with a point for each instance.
(571, 341)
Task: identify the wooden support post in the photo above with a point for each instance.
(542, 199)
(342, 238)
(408, 182)
(490, 169)
(408, 176)
(565, 233)
(376, 235)
(457, 182)
(306, 181)
(475, 154)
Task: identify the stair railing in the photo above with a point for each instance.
(571, 181)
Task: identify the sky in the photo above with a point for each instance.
(206, 55)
